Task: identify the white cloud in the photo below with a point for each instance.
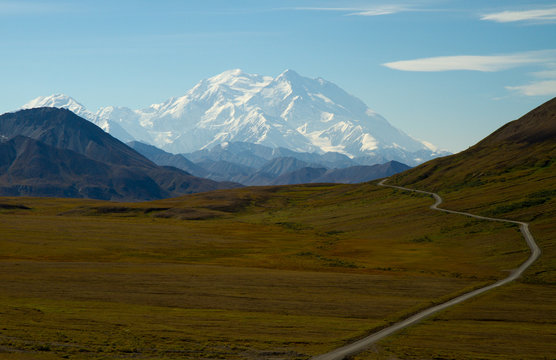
(474, 62)
(539, 88)
(542, 15)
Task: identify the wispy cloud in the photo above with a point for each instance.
(360, 11)
(546, 85)
(474, 62)
(300, 8)
(538, 88)
(546, 74)
(383, 10)
(535, 15)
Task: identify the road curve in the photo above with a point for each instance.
(363, 344)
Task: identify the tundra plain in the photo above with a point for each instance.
(255, 273)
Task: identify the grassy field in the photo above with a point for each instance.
(257, 273)
(514, 322)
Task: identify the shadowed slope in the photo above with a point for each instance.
(53, 152)
(61, 128)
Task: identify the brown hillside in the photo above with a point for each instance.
(527, 144)
(537, 126)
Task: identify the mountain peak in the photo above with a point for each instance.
(235, 79)
(54, 100)
(289, 74)
(233, 73)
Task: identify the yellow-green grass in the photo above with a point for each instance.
(279, 272)
(517, 321)
(498, 325)
(168, 308)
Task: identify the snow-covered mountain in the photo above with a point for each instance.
(60, 101)
(288, 111)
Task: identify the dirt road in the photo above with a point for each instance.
(365, 343)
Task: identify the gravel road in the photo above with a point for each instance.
(365, 343)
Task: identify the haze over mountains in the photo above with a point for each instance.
(252, 164)
(289, 111)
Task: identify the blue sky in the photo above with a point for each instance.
(449, 72)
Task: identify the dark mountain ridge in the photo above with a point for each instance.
(33, 168)
(537, 126)
(53, 152)
(61, 128)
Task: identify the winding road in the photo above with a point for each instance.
(365, 343)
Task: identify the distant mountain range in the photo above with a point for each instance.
(236, 162)
(53, 152)
(289, 111)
